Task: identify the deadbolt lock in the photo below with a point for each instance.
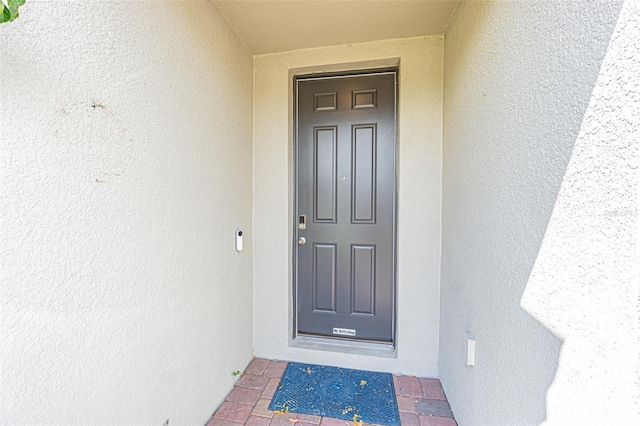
(302, 222)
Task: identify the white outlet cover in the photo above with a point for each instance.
(471, 352)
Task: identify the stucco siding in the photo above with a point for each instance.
(585, 283)
(125, 169)
(535, 155)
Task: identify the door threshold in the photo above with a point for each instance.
(381, 350)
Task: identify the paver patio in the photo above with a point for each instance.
(421, 401)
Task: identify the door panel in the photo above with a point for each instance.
(325, 164)
(363, 279)
(324, 278)
(363, 191)
(345, 185)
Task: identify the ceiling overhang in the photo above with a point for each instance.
(277, 26)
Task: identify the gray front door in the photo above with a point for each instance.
(345, 206)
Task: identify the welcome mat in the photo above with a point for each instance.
(337, 392)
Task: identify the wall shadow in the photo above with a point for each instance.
(582, 285)
(519, 77)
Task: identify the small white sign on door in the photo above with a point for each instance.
(344, 331)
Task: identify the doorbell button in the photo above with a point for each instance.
(239, 240)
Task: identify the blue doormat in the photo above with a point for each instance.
(337, 392)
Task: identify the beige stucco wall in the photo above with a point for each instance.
(540, 211)
(125, 169)
(585, 283)
(419, 189)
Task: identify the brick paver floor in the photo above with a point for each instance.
(421, 402)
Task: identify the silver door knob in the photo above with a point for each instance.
(301, 241)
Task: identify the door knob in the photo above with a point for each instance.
(301, 241)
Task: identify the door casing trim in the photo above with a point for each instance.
(303, 341)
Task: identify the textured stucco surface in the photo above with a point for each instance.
(519, 78)
(419, 189)
(125, 167)
(585, 284)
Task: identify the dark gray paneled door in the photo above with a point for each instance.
(345, 206)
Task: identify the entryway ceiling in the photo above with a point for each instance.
(277, 26)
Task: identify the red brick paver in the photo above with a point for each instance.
(396, 384)
(409, 419)
(432, 389)
(421, 402)
(244, 396)
(262, 409)
(217, 422)
(252, 381)
(233, 412)
(275, 369)
(406, 404)
(257, 366)
(433, 407)
(410, 386)
(270, 389)
(258, 421)
(436, 421)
